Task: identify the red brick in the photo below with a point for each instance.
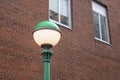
(78, 56)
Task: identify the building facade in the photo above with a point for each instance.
(89, 48)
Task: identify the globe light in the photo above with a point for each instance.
(46, 33)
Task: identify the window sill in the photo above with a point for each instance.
(108, 43)
(68, 27)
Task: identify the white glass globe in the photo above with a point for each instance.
(46, 36)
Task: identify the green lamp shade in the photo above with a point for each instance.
(46, 32)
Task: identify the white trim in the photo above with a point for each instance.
(102, 41)
(60, 24)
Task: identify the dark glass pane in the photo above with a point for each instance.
(96, 24)
(104, 28)
(64, 20)
(53, 15)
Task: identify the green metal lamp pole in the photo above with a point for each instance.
(46, 54)
(46, 34)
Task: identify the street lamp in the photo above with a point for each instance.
(46, 34)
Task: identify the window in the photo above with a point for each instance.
(59, 12)
(100, 22)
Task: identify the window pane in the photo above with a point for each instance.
(64, 20)
(53, 9)
(64, 12)
(53, 5)
(53, 15)
(98, 8)
(104, 28)
(96, 25)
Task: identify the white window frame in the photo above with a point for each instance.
(101, 10)
(69, 16)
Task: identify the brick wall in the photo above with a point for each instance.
(78, 56)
